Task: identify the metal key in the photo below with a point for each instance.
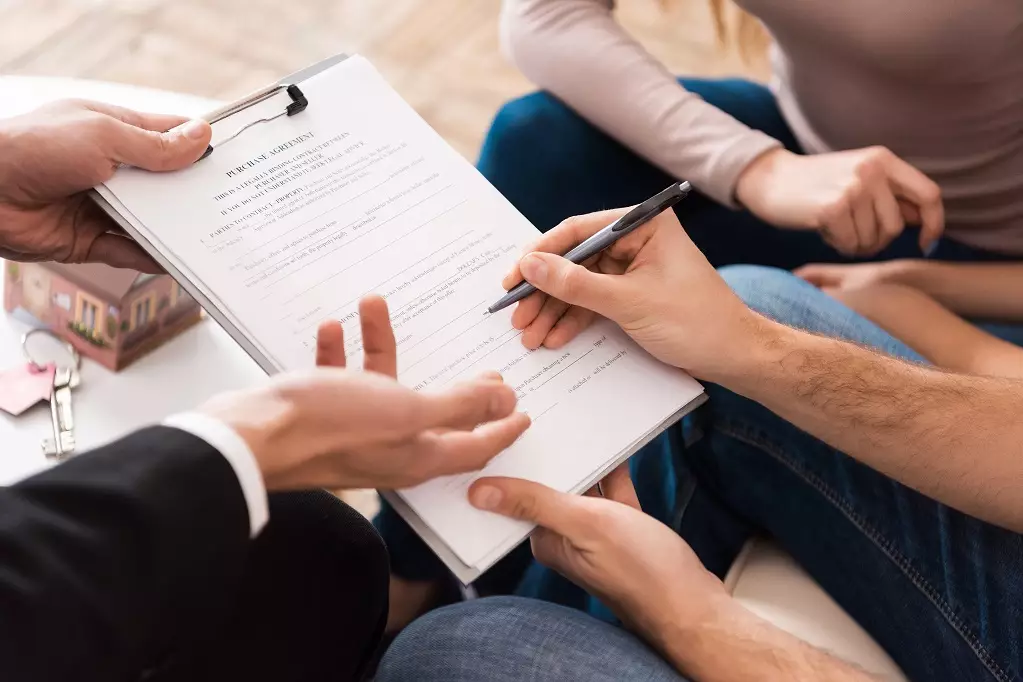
(62, 444)
(65, 378)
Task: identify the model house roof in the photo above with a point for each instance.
(102, 281)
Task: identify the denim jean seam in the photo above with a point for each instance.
(742, 433)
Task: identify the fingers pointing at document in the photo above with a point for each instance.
(334, 427)
(380, 351)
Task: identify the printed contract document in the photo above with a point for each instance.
(294, 220)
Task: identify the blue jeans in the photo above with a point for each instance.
(939, 590)
(506, 639)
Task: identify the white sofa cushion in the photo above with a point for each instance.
(772, 585)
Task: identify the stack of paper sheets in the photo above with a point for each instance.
(292, 222)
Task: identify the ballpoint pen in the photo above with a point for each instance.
(637, 217)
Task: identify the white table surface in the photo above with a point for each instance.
(177, 376)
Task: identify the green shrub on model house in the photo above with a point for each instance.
(81, 330)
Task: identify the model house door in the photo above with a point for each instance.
(36, 290)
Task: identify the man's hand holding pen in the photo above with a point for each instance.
(654, 283)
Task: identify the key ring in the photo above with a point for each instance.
(76, 357)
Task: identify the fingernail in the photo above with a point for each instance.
(486, 497)
(533, 268)
(194, 129)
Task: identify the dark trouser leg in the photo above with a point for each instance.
(312, 603)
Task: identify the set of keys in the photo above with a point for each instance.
(23, 387)
(62, 444)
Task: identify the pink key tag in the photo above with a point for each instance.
(22, 387)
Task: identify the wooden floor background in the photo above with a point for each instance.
(442, 55)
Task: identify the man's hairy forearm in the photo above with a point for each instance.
(956, 438)
(737, 645)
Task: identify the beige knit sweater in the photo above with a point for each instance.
(939, 82)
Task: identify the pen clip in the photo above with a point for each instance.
(652, 206)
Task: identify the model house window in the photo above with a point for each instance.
(178, 294)
(143, 311)
(89, 314)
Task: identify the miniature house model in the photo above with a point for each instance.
(111, 315)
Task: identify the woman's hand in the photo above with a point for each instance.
(337, 428)
(636, 565)
(859, 200)
(655, 284)
(841, 276)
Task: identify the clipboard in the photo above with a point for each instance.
(235, 114)
(108, 203)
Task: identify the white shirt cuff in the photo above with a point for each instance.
(237, 453)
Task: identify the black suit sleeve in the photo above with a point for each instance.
(107, 561)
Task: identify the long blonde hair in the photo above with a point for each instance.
(740, 28)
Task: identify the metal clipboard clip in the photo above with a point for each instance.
(298, 105)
